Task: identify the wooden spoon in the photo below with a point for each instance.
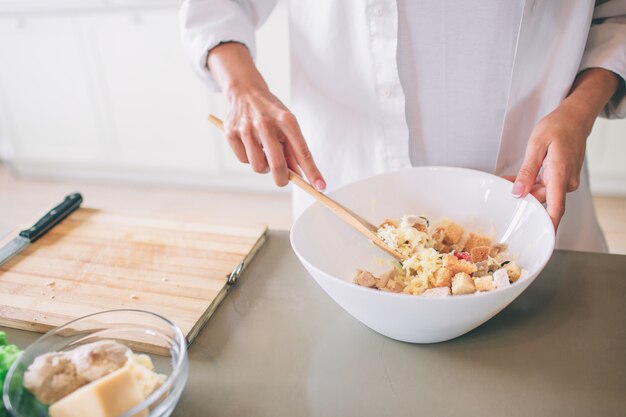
(354, 220)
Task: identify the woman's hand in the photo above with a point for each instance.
(558, 142)
(261, 131)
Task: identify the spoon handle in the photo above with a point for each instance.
(354, 220)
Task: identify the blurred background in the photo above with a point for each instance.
(98, 96)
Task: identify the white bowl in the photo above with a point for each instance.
(331, 251)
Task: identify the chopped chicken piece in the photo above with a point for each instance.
(513, 270)
(456, 265)
(394, 286)
(462, 283)
(452, 233)
(484, 283)
(419, 223)
(365, 279)
(442, 278)
(496, 248)
(479, 253)
(475, 240)
(482, 269)
(501, 278)
(437, 292)
(502, 257)
(95, 360)
(51, 377)
(384, 278)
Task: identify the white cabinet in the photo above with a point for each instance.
(47, 99)
(111, 95)
(155, 107)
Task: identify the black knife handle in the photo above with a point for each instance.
(53, 217)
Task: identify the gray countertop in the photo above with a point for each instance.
(279, 346)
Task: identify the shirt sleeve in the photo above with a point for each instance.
(207, 23)
(606, 48)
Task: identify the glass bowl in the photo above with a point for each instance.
(142, 331)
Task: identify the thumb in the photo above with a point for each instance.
(527, 175)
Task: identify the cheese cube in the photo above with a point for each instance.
(109, 396)
(501, 278)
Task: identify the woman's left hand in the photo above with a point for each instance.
(558, 142)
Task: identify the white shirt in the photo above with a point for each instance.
(347, 93)
(443, 86)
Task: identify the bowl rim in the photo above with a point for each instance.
(529, 279)
(178, 367)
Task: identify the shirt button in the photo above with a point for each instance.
(377, 11)
(385, 92)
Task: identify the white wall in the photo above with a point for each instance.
(102, 89)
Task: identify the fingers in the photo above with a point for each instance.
(555, 198)
(273, 152)
(290, 156)
(237, 146)
(254, 152)
(527, 175)
(301, 150)
(539, 192)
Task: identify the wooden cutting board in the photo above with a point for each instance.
(96, 260)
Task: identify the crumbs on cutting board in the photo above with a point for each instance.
(134, 297)
(51, 284)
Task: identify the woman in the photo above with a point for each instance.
(511, 88)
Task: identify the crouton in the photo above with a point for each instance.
(437, 292)
(484, 283)
(496, 248)
(452, 233)
(365, 279)
(389, 222)
(442, 247)
(441, 278)
(381, 282)
(479, 253)
(455, 265)
(501, 278)
(513, 270)
(475, 240)
(458, 246)
(462, 283)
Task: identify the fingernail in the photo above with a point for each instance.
(320, 185)
(266, 170)
(518, 189)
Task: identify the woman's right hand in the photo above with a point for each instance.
(261, 131)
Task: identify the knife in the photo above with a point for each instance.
(47, 222)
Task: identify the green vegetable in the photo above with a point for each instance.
(8, 355)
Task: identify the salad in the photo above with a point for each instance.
(441, 260)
